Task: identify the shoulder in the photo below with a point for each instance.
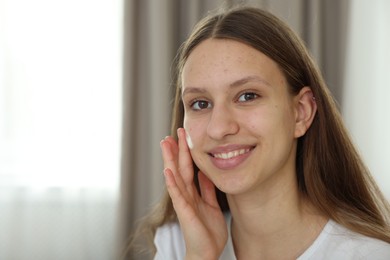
(338, 242)
(169, 242)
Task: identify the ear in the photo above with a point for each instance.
(305, 108)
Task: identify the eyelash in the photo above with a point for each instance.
(193, 103)
(197, 101)
(253, 94)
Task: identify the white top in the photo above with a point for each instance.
(334, 242)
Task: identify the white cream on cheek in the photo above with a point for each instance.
(189, 141)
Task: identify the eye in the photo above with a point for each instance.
(247, 96)
(200, 105)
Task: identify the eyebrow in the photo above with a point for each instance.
(248, 79)
(236, 83)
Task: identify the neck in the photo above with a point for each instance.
(273, 217)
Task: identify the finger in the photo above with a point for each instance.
(182, 207)
(185, 159)
(207, 189)
(170, 162)
(174, 145)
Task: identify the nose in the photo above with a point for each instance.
(222, 123)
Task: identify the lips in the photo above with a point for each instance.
(230, 157)
(231, 154)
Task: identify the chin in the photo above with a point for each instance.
(231, 187)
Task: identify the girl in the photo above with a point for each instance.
(263, 167)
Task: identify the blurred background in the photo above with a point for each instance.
(85, 98)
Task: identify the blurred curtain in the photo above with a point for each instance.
(366, 107)
(60, 118)
(57, 223)
(154, 29)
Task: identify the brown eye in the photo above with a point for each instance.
(248, 96)
(200, 104)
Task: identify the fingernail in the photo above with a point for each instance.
(161, 143)
(165, 138)
(179, 130)
(165, 172)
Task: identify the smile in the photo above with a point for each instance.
(230, 157)
(230, 154)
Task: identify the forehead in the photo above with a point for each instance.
(223, 61)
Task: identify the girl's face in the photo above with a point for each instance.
(239, 116)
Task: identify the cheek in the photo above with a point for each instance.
(264, 123)
(255, 122)
(289, 121)
(194, 133)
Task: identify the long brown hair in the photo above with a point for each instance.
(330, 172)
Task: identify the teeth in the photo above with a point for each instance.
(231, 154)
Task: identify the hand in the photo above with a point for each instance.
(201, 219)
